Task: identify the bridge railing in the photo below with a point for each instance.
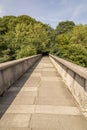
(11, 71)
(75, 78)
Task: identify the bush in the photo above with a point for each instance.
(26, 51)
(74, 53)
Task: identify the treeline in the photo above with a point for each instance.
(70, 42)
(23, 36)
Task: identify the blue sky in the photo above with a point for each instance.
(48, 11)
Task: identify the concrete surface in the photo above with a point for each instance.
(76, 79)
(40, 100)
(13, 70)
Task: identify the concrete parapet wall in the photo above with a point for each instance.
(75, 78)
(11, 71)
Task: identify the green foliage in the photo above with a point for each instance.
(79, 35)
(62, 39)
(23, 36)
(64, 27)
(74, 53)
(6, 55)
(26, 51)
(72, 45)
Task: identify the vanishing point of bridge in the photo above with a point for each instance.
(40, 100)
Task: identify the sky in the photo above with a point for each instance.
(47, 11)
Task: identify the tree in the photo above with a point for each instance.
(72, 45)
(65, 26)
(25, 51)
(23, 36)
(79, 35)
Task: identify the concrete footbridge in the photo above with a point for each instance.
(43, 93)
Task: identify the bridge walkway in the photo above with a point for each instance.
(40, 100)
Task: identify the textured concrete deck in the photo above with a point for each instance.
(40, 100)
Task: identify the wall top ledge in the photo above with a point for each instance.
(81, 71)
(14, 62)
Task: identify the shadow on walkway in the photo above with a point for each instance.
(10, 94)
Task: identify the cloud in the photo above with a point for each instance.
(48, 19)
(1, 11)
(47, 11)
(52, 2)
(78, 11)
(63, 2)
(58, 2)
(63, 10)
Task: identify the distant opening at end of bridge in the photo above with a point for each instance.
(45, 53)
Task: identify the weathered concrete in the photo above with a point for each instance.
(75, 77)
(40, 100)
(11, 71)
(57, 122)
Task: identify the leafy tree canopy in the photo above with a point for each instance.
(64, 27)
(23, 36)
